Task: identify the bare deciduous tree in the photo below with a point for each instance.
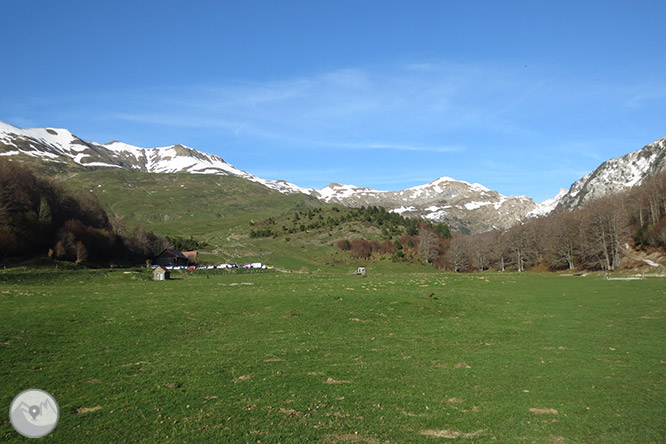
(497, 248)
(457, 253)
(81, 252)
(563, 240)
(428, 245)
(519, 245)
(605, 226)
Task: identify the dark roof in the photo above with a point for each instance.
(172, 252)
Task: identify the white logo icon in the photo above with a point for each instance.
(34, 413)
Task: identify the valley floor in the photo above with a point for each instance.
(397, 357)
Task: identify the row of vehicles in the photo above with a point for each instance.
(253, 265)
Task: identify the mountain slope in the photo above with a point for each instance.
(61, 147)
(223, 212)
(185, 204)
(617, 174)
(464, 206)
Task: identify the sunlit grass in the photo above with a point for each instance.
(395, 357)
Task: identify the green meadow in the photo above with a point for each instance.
(395, 357)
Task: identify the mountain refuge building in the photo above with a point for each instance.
(161, 274)
(171, 258)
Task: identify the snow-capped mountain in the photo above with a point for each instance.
(547, 206)
(462, 205)
(617, 174)
(60, 146)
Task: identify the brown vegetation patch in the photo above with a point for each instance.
(244, 377)
(349, 437)
(129, 364)
(258, 432)
(336, 381)
(410, 414)
(81, 410)
(454, 401)
(544, 411)
(461, 365)
(273, 360)
(450, 434)
(290, 412)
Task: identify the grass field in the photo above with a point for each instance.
(221, 211)
(397, 357)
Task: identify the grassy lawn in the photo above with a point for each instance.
(396, 357)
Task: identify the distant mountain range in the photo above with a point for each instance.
(463, 206)
(61, 147)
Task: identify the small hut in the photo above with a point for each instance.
(161, 274)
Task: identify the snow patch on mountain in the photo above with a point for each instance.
(618, 174)
(469, 207)
(336, 191)
(403, 209)
(476, 205)
(60, 145)
(547, 206)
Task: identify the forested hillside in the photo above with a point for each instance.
(594, 237)
(40, 217)
(364, 233)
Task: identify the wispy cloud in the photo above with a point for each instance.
(392, 147)
(642, 96)
(394, 109)
(482, 122)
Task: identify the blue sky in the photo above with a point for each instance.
(523, 97)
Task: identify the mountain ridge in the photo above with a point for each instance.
(617, 174)
(467, 207)
(61, 146)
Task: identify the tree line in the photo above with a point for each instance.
(390, 224)
(592, 237)
(403, 239)
(427, 245)
(39, 217)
